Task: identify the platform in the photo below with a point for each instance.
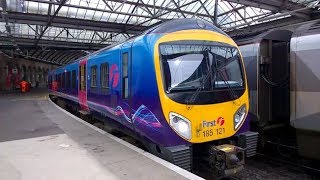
(39, 140)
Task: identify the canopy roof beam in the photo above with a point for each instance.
(64, 22)
(276, 6)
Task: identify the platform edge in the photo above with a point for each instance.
(165, 163)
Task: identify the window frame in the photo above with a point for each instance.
(73, 79)
(125, 76)
(93, 82)
(60, 80)
(104, 76)
(63, 79)
(68, 79)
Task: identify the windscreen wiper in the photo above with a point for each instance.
(196, 93)
(230, 89)
(232, 93)
(217, 70)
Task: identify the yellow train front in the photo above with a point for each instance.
(179, 87)
(202, 89)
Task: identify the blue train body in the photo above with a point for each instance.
(119, 86)
(145, 112)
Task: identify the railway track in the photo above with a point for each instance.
(264, 166)
(294, 165)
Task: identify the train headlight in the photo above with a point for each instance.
(239, 116)
(180, 124)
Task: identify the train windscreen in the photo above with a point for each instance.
(193, 65)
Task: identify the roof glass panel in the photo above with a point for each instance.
(133, 13)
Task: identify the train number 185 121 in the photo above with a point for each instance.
(211, 132)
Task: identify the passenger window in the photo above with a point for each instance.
(125, 82)
(94, 76)
(68, 79)
(104, 75)
(74, 79)
(63, 80)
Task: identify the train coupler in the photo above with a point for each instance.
(226, 159)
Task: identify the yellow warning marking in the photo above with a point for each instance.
(30, 98)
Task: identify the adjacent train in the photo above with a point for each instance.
(284, 82)
(179, 87)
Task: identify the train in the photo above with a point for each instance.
(282, 67)
(179, 87)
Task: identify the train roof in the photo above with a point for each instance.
(284, 33)
(273, 34)
(167, 27)
(184, 24)
(173, 26)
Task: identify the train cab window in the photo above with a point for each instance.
(93, 76)
(68, 78)
(104, 75)
(125, 81)
(74, 79)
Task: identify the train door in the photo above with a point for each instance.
(126, 79)
(274, 86)
(82, 88)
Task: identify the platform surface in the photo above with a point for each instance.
(40, 141)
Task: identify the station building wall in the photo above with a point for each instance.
(14, 70)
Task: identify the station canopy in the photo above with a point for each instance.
(60, 31)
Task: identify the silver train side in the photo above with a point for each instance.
(283, 70)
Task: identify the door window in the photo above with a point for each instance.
(83, 77)
(125, 81)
